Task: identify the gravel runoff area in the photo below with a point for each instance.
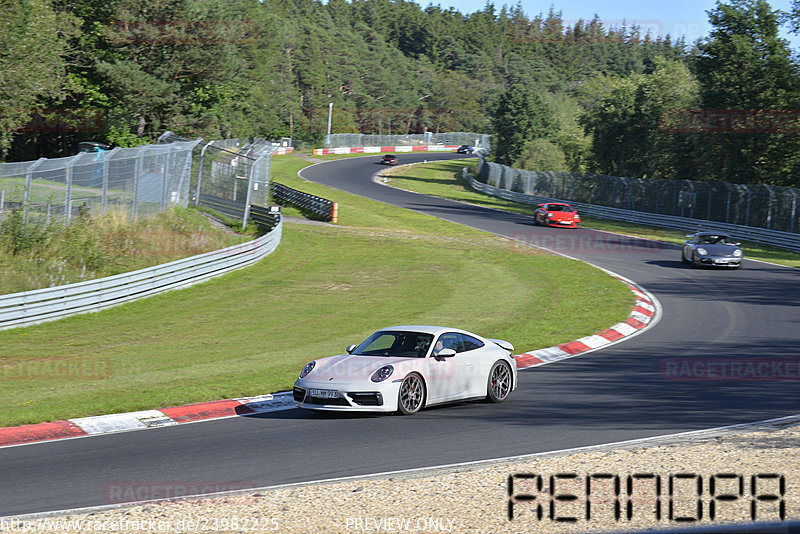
(720, 466)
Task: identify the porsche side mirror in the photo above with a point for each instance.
(351, 348)
(446, 353)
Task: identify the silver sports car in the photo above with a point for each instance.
(406, 368)
(711, 249)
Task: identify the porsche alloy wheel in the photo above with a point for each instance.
(411, 395)
(499, 382)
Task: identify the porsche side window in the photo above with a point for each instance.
(447, 341)
(470, 343)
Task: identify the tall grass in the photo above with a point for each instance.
(35, 254)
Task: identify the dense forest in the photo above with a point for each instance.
(581, 97)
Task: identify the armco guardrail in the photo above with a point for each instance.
(231, 208)
(40, 305)
(321, 207)
(263, 217)
(748, 233)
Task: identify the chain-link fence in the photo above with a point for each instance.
(450, 138)
(136, 181)
(231, 170)
(758, 205)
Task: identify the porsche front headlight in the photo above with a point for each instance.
(737, 253)
(702, 251)
(307, 369)
(382, 374)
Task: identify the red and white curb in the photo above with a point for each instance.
(378, 149)
(121, 422)
(639, 319)
(643, 315)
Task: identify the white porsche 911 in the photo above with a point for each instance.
(405, 368)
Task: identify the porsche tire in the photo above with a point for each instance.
(411, 396)
(500, 382)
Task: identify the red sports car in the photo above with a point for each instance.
(556, 214)
(389, 159)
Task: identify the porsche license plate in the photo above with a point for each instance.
(324, 393)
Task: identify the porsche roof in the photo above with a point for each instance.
(427, 329)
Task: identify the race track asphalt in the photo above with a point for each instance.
(618, 393)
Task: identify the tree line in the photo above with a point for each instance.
(583, 97)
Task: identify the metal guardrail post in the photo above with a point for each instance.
(794, 209)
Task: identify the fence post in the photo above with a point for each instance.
(68, 195)
(139, 167)
(183, 185)
(106, 164)
(26, 198)
(250, 182)
(747, 212)
(794, 209)
(771, 192)
(729, 187)
(200, 172)
(165, 171)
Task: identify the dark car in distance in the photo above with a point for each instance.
(711, 249)
(389, 159)
(465, 149)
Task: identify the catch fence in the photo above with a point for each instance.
(449, 138)
(138, 181)
(756, 205)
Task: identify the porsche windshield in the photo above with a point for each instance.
(395, 343)
(709, 239)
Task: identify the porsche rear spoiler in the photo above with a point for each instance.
(503, 344)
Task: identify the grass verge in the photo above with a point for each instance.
(443, 179)
(35, 255)
(326, 286)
